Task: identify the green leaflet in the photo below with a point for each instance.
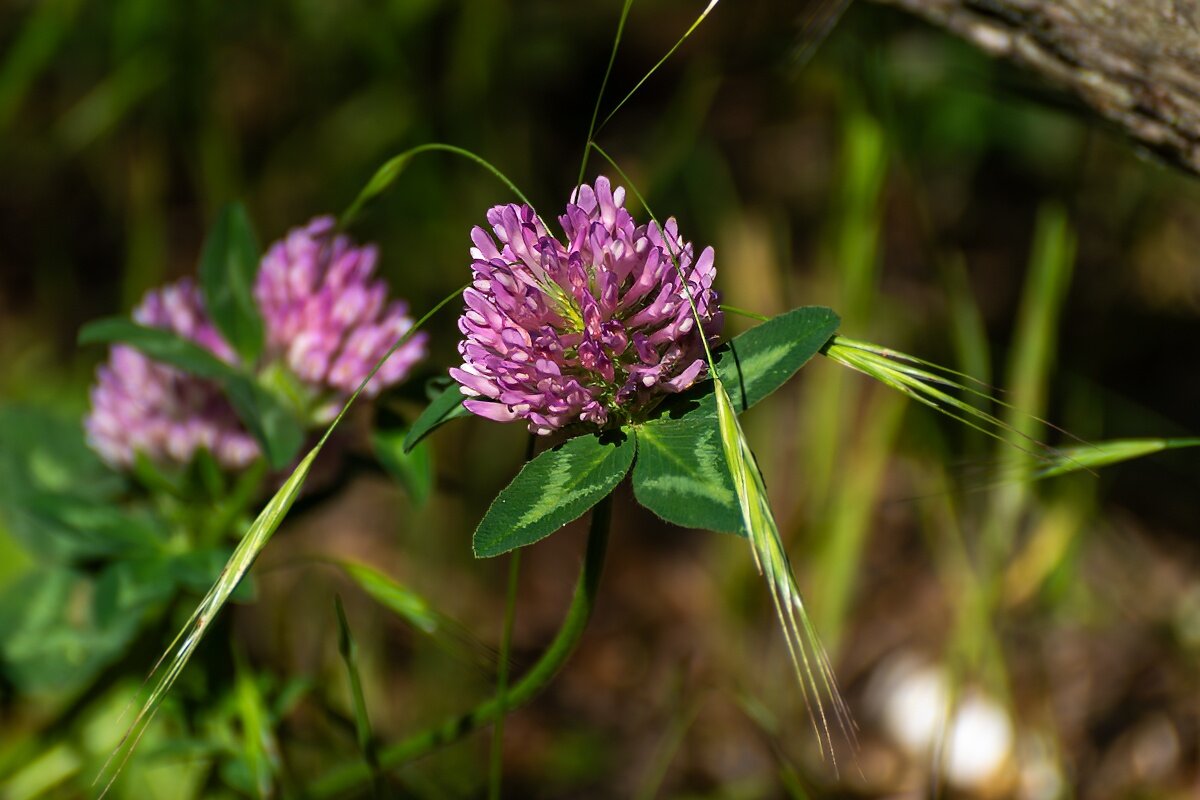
(58, 500)
(45, 644)
(765, 357)
(44, 451)
(554, 489)
(160, 345)
(445, 406)
(228, 266)
(61, 527)
(275, 427)
(681, 474)
(753, 365)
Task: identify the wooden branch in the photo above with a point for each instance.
(1137, 62)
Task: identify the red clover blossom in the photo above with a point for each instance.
(141, 405)
(326, 317)
(326, 320)
(592, 331)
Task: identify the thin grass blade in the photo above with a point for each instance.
(612, 59)
(1030, 368)
(417, 611)
(396, 597)
(1102, 454)
(387, 174)
(348, 649)
(259, 748)
(816, 27)
(686, 34)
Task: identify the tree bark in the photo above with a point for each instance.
(1136, 62)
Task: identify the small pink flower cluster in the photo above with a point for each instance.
(325, 317)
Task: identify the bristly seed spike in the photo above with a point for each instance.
(759, 522)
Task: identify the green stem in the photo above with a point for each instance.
(351, 776)
(510, 609)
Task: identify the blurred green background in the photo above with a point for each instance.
(945, 204)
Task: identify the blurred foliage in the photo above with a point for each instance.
(901, 178)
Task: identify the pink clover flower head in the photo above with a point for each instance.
(326, 317)
(141, 405)
(593, 330)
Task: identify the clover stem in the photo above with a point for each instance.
(352, 775)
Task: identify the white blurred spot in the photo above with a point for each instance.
(912, 699)
(979, 742)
